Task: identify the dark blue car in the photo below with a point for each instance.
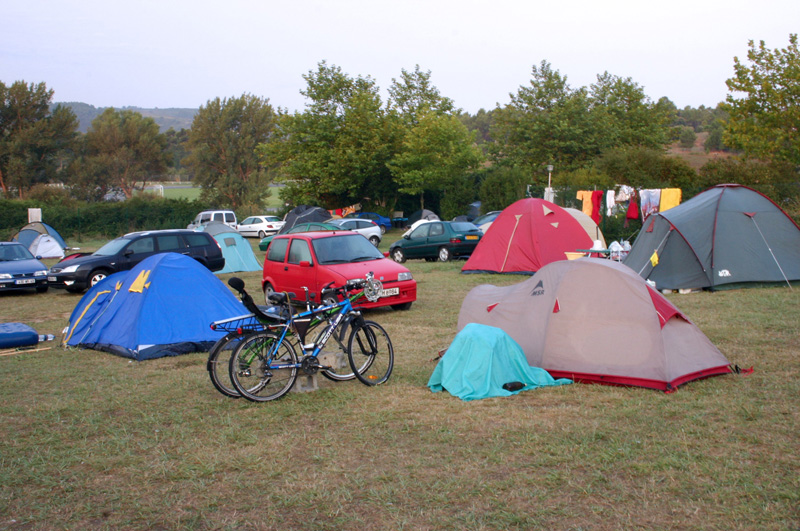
(382, 221)
(19, 269)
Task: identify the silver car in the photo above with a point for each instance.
(368, 228)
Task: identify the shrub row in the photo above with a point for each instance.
(79, 220)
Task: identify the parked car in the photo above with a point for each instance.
(368, 228)
(314, 259)
(434, 240)
(301, 227)
(123, 253)
(228, 217)
(486, 218)
(260, 226)
(20, 270)
(382, 221)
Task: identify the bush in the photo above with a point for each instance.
(81, 220)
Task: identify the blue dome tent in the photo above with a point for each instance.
(161, 307)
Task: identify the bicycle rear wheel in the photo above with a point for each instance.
(219, 360)
(336, 353)
(262, 369)
(370, 353)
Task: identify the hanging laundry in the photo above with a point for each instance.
(633, 212)
(611, 200)
(670, 197)
(625, 193)
(650, 199)
(586, 197)
(597, 200)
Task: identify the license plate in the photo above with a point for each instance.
(389, 292)
(26, 281)
(52, 279)
(471, 237)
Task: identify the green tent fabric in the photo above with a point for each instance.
(480, 360)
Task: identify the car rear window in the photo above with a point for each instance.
(463, 226)
(197, 239)
(277, 250)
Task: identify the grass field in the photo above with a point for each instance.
(94, 441)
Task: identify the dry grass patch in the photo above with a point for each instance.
(93, 441)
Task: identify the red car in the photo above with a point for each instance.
(313, 259)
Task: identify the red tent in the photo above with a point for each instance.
(528, 235)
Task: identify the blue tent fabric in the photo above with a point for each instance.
(162, 307)
(29, 232)
(480, 360)
(238, 253)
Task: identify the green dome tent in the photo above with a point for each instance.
(729, 236)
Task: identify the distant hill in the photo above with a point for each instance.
(165, 118)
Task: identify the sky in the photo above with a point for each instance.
(184, 53)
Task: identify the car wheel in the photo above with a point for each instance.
(97, 276)
(402, 307)
(398, 255)
(262, 234)
(268, 290)
(375, 240)
(383, 229)
(444, 254)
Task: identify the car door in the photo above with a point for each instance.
(416, 244)
(135, 252)
(299, 269)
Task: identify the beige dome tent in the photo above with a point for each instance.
(595, 320)
(588, 225)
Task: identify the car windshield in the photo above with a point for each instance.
(345, 249)
(10, 253)
(112, 247)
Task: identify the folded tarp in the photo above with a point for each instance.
(481, 360)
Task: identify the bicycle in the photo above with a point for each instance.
(264, 366)
(237, 329)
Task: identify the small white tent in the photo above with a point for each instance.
(46, 246)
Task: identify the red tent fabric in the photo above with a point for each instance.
(528, 235)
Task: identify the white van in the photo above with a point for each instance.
(228, 217)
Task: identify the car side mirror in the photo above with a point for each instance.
(127, 252)
(406, 236)
(305, 263)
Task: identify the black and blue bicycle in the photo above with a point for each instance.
(265, 364)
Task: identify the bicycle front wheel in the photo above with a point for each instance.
(370, 353)
(263, 368)
(219, 360)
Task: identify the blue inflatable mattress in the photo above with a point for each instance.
(17, 335)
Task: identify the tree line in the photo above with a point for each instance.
(416, 149)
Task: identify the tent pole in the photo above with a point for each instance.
(771, 253)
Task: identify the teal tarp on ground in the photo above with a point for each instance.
(480, 360)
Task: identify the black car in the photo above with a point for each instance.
(123, 253)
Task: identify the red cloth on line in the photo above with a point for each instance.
(597, 200)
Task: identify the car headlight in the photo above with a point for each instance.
(405, 276)
(5, 276)
(70, 269)
(40, 273)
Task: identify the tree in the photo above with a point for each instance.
(122, 148)
(414, 94)
(549, 122)
(764, 104)
(435, 155)
(35, 144)
(223, 141)
(335, 152)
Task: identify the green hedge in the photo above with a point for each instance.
(85, 220)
